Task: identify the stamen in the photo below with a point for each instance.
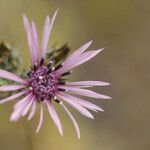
(28, 73)
(51, 69)
(43, 82)
(57, 101)
(62, 82)
(49, 63)
(42, 61)
(35, 66)
(67, 73)
(59, 66)
(62, 90)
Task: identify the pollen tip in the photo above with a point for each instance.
(50, 61)
(30, 88)
(61, 103)
(36, 64)
(40, 77)
(55, 98)
(53, 68)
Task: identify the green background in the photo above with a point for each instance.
(123, 28)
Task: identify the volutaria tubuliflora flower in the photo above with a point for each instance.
(46, 84)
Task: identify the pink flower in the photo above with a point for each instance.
(44, 84)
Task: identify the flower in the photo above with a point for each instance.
(45, 83)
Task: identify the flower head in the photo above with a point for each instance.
(45, 83)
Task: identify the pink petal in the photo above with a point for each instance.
(10, 98)
(10, 76)
(47, 31)
(29, 37)
(32, 110)
(16, 114)
(35, 39)
(41, 119)
(85, 103)
(75, 55)
(5, 88)
(75, 105)
(81, 59)
(88, 83)
(85, 92)
(72, 119)
(84, 58)
(22, 101)
(25, 111)
(18, 111)
(54, 116)
(69, 84)
(45, 36)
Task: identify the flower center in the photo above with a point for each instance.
(42, 81)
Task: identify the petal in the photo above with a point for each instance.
(22, 101)
(54, 116)
(80, 60)
(45, 36)
(32, 110)
(41, 119)
(72, 119)
(10, 98)
(25, 111)
(5, 88)
(84, 58)
(85, 103)
(47, 31)
(75, 105)
(85, 92)
(35, 40)
(75, 55)
(89, 105)
(29, 37)
(10, 76)
(88, 83)
(16, 114)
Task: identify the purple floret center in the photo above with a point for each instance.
(42, 82)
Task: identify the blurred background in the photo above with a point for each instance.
(123, 28)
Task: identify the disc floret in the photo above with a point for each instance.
(42, 80)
